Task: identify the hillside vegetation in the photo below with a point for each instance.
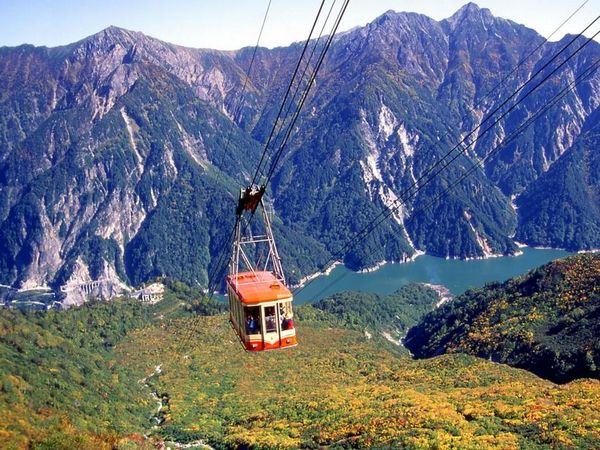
(571, 217)
(547, 321)
(341, 389)
(390, 315)
(61, 385)
(59, 377)
(85, 378)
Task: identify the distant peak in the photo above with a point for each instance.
(470, 11)
(469, 8)
(112, 29)
(389, 14)
(114, 32)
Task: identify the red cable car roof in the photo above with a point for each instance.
(258, 287)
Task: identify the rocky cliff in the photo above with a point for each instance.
(114, 159)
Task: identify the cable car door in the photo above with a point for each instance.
(271, 334)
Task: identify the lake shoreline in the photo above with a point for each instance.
(457, 275)
(312, 276)
(419, 253)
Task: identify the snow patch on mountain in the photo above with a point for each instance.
(132, 128)
(387, 122)
(481, 240)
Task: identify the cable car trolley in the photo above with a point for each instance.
(260, 304)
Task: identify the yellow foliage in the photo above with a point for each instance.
(337, 388)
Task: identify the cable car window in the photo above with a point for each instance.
(252, 320)
(270, 319)
(286, 316)
(234, 310)
(231, 305)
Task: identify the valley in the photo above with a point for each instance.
(435, 282)
(92, 377)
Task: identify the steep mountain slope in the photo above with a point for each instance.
(546, 322)
(90, 180)
(126, 178)
(571, 217)
(375, 129)
(404, 88)
(114, 162)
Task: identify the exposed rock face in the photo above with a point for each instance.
(113, 150)
(570, 217)
(118, 135)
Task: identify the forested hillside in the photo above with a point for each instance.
(388, 315)
(547, 321)
(61, 384)
(571, 217)
(121, 375)
(121, 155)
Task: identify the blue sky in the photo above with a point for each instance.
(231, 24)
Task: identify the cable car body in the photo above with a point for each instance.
(260, 304)
(260, 309)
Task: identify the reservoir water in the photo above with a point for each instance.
(456, 275)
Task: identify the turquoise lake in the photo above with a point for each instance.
(456, 275)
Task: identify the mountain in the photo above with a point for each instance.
(122, 173)
(120, 159)
(571, 217)
(128, 376)
(545, 322)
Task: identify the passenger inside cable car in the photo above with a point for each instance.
(287, 318)
(252, 325)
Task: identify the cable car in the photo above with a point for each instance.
(260, 304)
(261, 311)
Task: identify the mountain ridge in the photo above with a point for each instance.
(391, 97)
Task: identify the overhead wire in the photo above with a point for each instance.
(216, 274)
(400, 201)
(478, 127)
(279, 151)
(298, 109)
(508, 99)
(529, 55)
(479, 163)
(449, 130)
(285, 97)
(219, 266)
(240, 98)
(290, 128)
(306, 66)
(236, 111)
